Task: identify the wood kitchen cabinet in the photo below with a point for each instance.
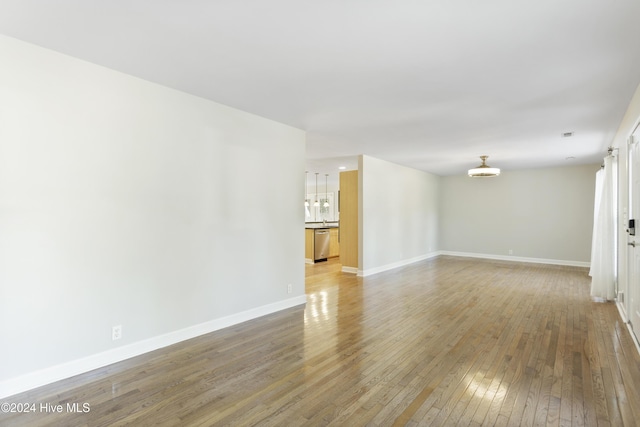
(308, 245)
(334, 242)
(349, 221)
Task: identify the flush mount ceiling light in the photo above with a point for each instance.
(484, 170)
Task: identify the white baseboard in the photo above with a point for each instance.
(621, 310)
(625, 320)
(308, 261)
(518, 259)
(376, 270)
(633, 337)
(66, 370)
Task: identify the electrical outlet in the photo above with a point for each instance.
(116, 332)
(289, 288)
(510, 251)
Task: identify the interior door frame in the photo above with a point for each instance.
(631, 299)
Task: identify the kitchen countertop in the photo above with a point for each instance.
(317, 225)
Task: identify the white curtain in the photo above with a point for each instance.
(603, 250)
(596, 209)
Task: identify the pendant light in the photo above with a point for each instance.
(484, 170)
(316, 203)
(306, 195)
(326, 197)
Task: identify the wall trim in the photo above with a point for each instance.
(518, 259)
(75, 367)
(376, 270)
(626, 321)
(633, 336)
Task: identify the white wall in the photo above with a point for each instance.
(126, 203)
(398, 215)
(543, 214)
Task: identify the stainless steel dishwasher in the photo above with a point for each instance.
(321, 245)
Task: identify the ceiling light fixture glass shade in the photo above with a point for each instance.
(306, 196)
(484, 170)
(326, 197)
(316, 203)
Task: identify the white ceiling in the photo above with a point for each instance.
(431, 84)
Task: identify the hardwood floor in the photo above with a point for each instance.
(444, 342)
